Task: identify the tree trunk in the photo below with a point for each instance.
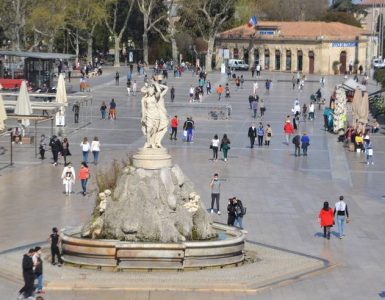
(77, 49)
(50, 43)
(89, 49)
(210, 51)
(117, 51)
(145, 47)
(174, 51)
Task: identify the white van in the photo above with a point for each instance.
(238, 64)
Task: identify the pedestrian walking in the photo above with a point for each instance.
(254, 108)
(191, 93)
(174, 127)
(268, 134)
(260, 134)
(188, 126)
(42, 146)
(237, 83)
(225, 146)
(134, 88)
(215, 185)
(293, 82)
(240, 211)
(304, 112)
(215, 146)
(66, 150)
(268, 86)
(326, 219)
(258, 69)
(68, 176)
(84, 174)
(227, 90)
(208, 87)
(252, 134)
(255, 89)
(117, 78)
(95, 149)
(76, 110)
(369, 152)
(341, 210)
(252, 71)
(38, 270)
(172, 93)
(128, 87)
(219, 92)
(54, 239)
(288, 130)
(103, 110)
(262, 107)
(112, 110)
(85, 145)
(297, 145)
(56, 148)
(305, 143)
(296, 121)
(311, 111)
(231, 215)
(26, 291)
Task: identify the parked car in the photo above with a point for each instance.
(238, 64)
(378, 63)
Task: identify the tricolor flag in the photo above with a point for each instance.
(252, 21)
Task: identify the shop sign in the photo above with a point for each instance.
(266, 32)
(343, 44)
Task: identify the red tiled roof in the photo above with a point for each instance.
(371, 2)
(300, 30)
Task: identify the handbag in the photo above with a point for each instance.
(211, 146)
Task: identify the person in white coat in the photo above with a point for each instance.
(95, 149)
(68, 177)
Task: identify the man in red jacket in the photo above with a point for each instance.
(174, 127)
(289, 130)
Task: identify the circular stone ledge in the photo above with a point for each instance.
(119, 256)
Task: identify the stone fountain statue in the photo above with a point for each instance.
(152, 199)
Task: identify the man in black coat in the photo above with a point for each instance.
(252, 134)
(28, 275)
(297, 145)
(56, 148)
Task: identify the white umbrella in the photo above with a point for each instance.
(23, 105)
(3, 113)
(61, 94)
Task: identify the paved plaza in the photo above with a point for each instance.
(283, 193)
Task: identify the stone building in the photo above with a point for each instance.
(309, 47)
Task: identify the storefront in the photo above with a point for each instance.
(308, 47)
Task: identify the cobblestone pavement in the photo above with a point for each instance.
(283, 194)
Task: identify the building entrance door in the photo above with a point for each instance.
(343, 62)
(299, 61)
(311, 62)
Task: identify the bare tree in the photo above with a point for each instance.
(13, 20)
(169, 34)
(111, 22)
(209, 17)
(83, 17)
(151, 17)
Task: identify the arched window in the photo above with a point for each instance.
(277, 60)
(267, 59)
(235, 53)
(311, 62)
(288, 60)
(299, 60)
(256, 57)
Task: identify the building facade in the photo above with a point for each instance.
(308, 47)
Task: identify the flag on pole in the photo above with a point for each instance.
(252, 21)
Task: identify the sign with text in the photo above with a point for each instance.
(344, 44)
(266, 32)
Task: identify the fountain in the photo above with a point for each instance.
(150, 217)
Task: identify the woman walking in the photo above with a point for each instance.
(214, 147)
(268, 135)
(68, 177)
(326, 219)
(341, 210)
(95, 149)
(66, 150)
(84, 174)
(85, 149)
(103, 110)
(225, 146)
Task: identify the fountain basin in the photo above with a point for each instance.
(114, 255)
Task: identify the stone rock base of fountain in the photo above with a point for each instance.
(152, 159)
(158, 205)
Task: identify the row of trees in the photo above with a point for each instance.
(66, 24)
